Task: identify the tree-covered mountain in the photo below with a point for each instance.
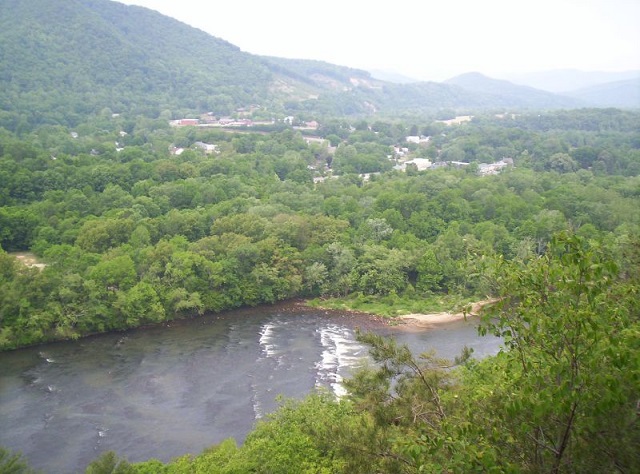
(64, 61)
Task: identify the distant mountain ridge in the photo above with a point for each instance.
(510, 93)
(63, 61)
(594, 88)
(562, 81)
(394, 77)
(622, 94)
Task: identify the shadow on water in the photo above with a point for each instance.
(163, 391)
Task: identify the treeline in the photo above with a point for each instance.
(131, 234)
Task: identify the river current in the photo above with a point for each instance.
(164, 391)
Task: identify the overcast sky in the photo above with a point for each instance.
(426, 39)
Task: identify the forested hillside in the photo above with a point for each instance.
(65, 61)
(69, 61)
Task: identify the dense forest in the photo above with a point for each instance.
(65, 61)
(131, 234)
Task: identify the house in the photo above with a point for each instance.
(400, 151)
(486, 169)
(417, 139)
(421, 163)
(184, 123)
(207, 147)
(318, 140)
(232, 122)
(457, 120)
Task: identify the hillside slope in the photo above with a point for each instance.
(63, 60)
(343, 90)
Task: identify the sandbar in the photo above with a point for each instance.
(419, 320)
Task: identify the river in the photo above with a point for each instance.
(163, 391)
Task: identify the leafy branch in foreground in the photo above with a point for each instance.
(13, 463)
(414, 410)
(563, 397)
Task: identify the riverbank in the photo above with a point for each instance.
(359, 319)
(362, 320)
(410, 322)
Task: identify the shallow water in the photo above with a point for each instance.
(164, 391)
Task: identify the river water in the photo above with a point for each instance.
(164, 391)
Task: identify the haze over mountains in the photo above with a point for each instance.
(65, 60)
(595, 88)
(564, 81)
(528, 96)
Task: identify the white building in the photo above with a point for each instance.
(417, 139)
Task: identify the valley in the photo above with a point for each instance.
(167, 200)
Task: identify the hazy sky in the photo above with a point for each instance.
(426, 39)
